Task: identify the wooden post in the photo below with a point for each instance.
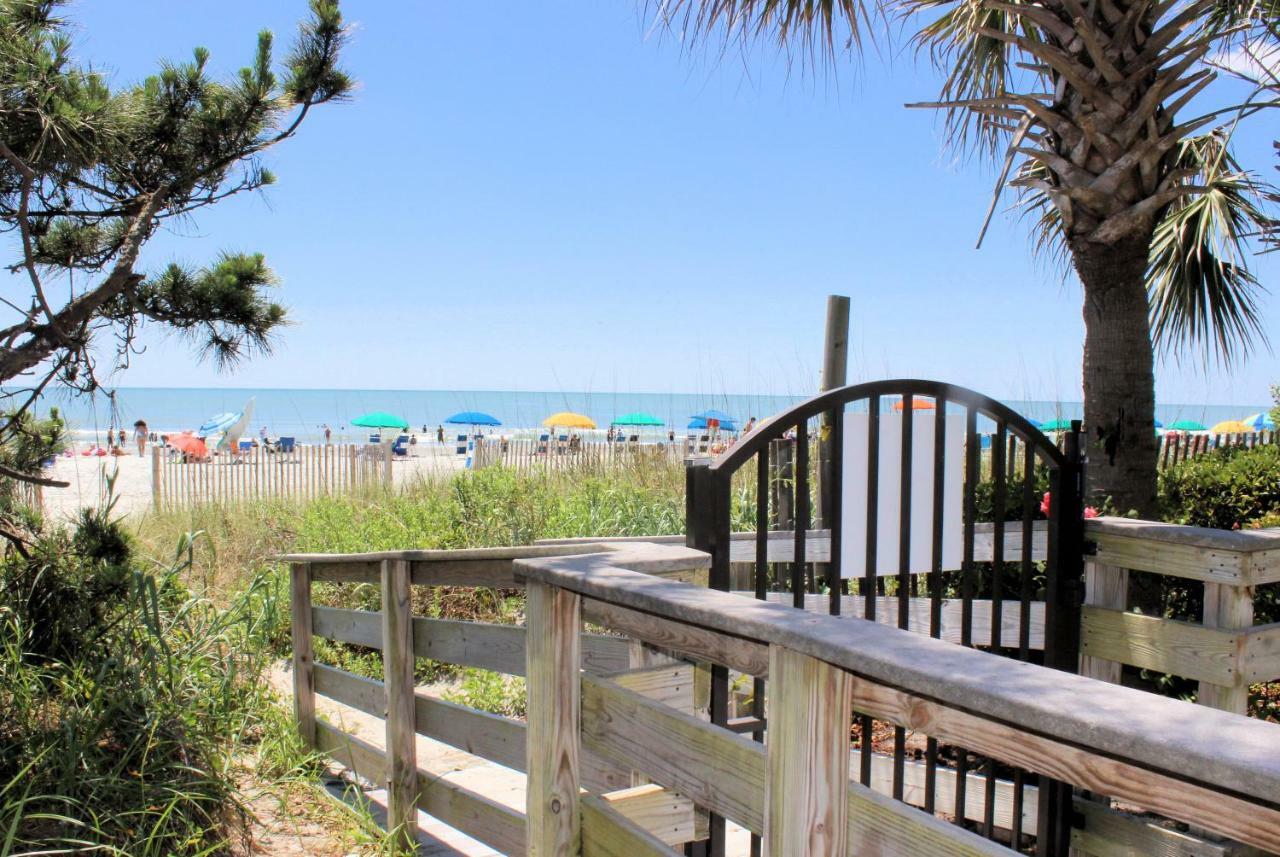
(806, 795)
(1104, 586)
(386, 465)
(1231, 609)
(397, 663)
(554, 701)
(304, 690)
(156, 496)
(835, 370)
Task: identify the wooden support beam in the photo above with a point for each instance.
(806, 794)
(402, 745)
(1104, 586)
(745, 656)
(606, 832)
(664, 814)
(1164, 645)
(1229, 608)
(554, 658)
(304, 693)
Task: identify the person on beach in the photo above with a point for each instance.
(120, 439)
(440, 434)
(140, 435)
(328, 433)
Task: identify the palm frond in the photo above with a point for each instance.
(812, 29)
(1203, 295)
(977, 65)
(1048, 237)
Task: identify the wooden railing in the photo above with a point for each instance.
(401, 637)
(1193, 765)
(304, 472)
(606, 712)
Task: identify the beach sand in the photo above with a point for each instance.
(132, 490)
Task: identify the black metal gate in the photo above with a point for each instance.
(1027, 552)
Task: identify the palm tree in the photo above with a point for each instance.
(1083, 102)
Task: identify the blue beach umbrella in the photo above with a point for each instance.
(473, 418)
(712, 414)
(1035, 423)
(1260, 422)
(700, 424)
(219, 423)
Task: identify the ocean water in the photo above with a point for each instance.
(303, 413)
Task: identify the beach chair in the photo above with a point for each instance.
(375, 438)
(460, 444)
(704, 443)
(635, 438)
(562, 444)
(246, 446)
(544, 441)
(400, 448)
(286, 444)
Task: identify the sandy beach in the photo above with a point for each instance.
(89, 476)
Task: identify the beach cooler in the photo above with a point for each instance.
(286, 444)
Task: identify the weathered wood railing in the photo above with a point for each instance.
(402, 636)
(638, 714)
(1197, 766)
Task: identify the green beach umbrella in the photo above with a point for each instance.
(1056, 425)
(638, 419)
(380, 420)
(1188, 425)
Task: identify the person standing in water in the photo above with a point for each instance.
(140, 436)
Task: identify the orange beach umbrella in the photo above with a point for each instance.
(916, 405)
(188, 444)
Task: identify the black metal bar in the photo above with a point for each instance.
(998, 501)
(870, 571)
(834, 508)
(935, 580)
(904, 570)
(802, 515)
(762, 523)
(967, 570)
(1028, 546)
(1019, 801)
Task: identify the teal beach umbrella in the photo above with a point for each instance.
(380, 420)
(1056, 425)
(638, 419)
(1188, 425)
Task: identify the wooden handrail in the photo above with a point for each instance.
(1185, 742)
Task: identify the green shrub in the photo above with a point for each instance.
(1226, 489)
(119, 730)
(490, 691)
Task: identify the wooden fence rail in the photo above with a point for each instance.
(305, 472)
(529, 454)
(641, 713)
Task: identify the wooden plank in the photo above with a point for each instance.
(357, 627)
(554, 692)
(304, 695)
(480, 733)
(714, 768)
(1220, 812)
(878, 824)
(1229, 608)
(851, 607)
(1104, 586)
(745, 656)
(608, 833)
(496, 825)
(352, 571)
(365, 760)
(397, 663)
(669, 684)
(806, 793)
(671, 818)
(490, 573)
(1165, 645)
(1107, 832)
(1241, 557)
(1262, 653)
(474, 644)
(363, 694)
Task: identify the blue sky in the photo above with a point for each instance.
(547, 196)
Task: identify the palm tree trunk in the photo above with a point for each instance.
(1119, 374)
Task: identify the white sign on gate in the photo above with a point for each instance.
(853, 544)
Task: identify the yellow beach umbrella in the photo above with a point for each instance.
(568, 419)
(1230, 427)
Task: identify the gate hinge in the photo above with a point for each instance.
(1089, 547)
